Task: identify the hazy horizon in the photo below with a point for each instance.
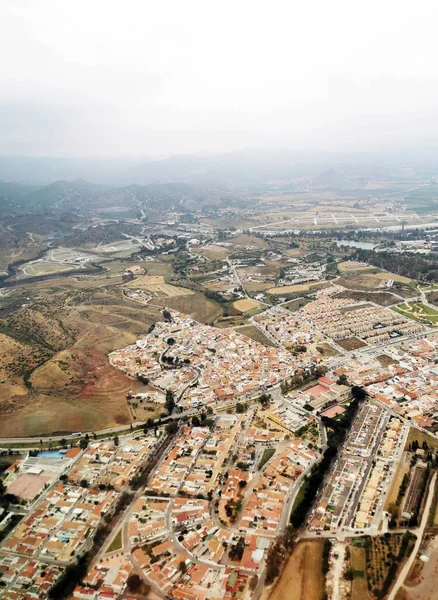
(148, 80)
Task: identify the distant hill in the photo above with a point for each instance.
(241, 170)
(85, 197)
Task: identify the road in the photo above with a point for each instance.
(236, 277)
(291, 495)
(419, 533)
(337, 569)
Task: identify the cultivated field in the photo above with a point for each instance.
(156, 285)
(302, 577)
(290, 289)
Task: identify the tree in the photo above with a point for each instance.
(83, 443)
(358, 392)
(83, 483)
(167, 316)
(170, 402)
(195, 421)
(253, 582)
(242, 484)
(240, 408)
(264, 399)
(116, 440)
(342, 379)
(63, 443)
(172, 428)
(182, 566)
(134, 583)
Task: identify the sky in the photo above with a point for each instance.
(143, 78)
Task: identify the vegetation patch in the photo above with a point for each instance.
(267, 454)
(116, 544)
(254, 333)
(418, 312)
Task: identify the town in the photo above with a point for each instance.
(191, 506)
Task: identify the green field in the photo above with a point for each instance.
(418, 312)
(116, 544)
(267, 454)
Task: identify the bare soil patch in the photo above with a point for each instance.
(381, 298)
(245, 305)
(196, 305)
(359, 587)
(351, 343)
(213, 252)
(302, 577)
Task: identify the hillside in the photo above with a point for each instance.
(54, 371)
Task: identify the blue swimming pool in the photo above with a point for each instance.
(51, 454)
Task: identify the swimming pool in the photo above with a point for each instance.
(51, 454)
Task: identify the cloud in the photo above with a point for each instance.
(151, 78)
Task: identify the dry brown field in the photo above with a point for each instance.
(255, 333)
(302, 577)
(213, 252)
(249, 240)
(360, 282)
(394, 276)
(290, 289)
(63, 358)
(196, 305)
(245, 305)
(217, 286)
(359, 587)
(157, 285)
(352, 266)
(255, 286)
(351, 343)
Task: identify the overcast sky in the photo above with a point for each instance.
(160, 77)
